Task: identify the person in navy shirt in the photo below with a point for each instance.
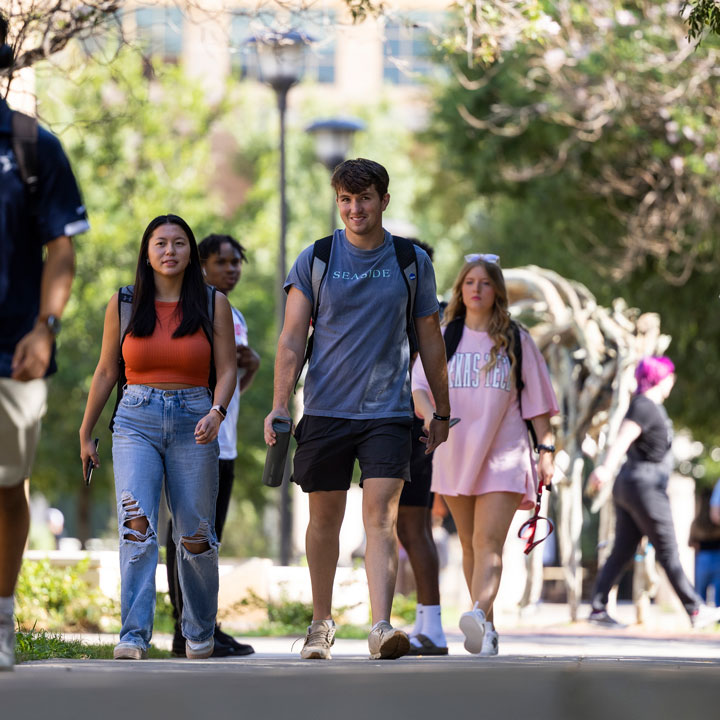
(33, 295)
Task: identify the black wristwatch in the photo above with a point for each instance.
(52, 323)
(546, 448)
(441, 418)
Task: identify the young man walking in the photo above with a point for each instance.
(40, 207)
(357, 393)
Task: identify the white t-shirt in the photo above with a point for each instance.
(227, 437)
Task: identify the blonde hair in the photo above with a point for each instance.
(499, 329)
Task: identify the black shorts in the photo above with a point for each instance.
(416, 493)
(328, 447)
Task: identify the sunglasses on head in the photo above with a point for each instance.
(536, 523)
(486, 257)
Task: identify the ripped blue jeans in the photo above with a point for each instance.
(153, 439)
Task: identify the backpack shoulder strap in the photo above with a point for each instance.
(24, 141)
(125, 298)
(407, 260)
(519, 384)
(211, 291)
(318, 270)
(453, 335)
(212, 378)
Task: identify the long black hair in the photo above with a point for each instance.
(193, 293)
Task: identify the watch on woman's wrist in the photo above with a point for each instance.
(546, 448)
(220, 410)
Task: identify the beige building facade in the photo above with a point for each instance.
(352, 61)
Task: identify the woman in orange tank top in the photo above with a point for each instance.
(165, 430)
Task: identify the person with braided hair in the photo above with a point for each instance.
(486, 470)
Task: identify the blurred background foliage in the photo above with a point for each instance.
(521, 156)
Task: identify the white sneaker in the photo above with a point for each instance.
(7, 642)
(318, 640)
(705, 616)
(387, 643)
(490, 641)
(472, 624)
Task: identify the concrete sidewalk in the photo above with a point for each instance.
(547, 669)
(544, 633)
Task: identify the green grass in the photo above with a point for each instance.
(43, 645)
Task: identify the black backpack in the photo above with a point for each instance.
(407, 260)
(453, 334)
(24, 143)
(125, 298)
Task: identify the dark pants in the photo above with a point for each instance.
(225, 482)
(642, 507)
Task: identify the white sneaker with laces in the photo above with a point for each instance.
(318, 641)
(386, 642)
(490, 640)
(472, 624)
(7, 642)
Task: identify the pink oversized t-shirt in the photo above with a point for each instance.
(489, 450)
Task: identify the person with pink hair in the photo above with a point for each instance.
(642, 506)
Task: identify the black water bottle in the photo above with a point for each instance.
(277, 453)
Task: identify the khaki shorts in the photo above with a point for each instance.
(22, 405)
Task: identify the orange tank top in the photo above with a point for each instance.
(161, 358)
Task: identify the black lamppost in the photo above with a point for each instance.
(281, 61)
(333, 139)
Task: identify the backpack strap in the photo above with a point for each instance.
(125, 298)
(407, 260)
(453, 335)
(519, 384)
(318, 270)
(24, 142)
(212, 379)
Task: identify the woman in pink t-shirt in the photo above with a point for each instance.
(486, 471)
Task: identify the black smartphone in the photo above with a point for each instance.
(91, 465)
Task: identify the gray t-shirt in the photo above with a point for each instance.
(359, 368)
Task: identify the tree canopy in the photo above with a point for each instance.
(592, 150)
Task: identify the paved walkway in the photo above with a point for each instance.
(555, 671)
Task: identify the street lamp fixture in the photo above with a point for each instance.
(333, 139)
(281, 58)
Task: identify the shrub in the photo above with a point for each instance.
(60, 599)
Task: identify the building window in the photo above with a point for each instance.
(320, 56)
(407, 49)
(160, 31)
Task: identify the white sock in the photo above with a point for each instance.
(417, 628)
(432, 625)
(7, 605)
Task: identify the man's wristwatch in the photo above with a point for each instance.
(52, 323)
(441, 418)
(546, 448)
(221, 410)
